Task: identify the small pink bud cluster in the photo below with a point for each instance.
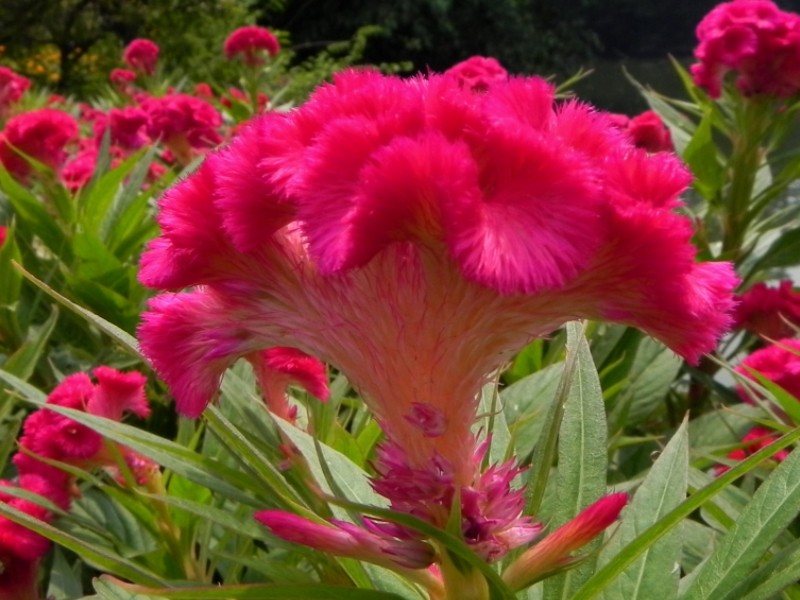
(770, 312)
(141, 55)
(756, 439)
(50, 436)
(754, 39)
(478, 73)
(250, 43)
(778, 362)
(647, 131)
(12, 87)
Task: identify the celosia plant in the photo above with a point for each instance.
(141, 55)
(251, 43)
(41, 135)
(415, 234)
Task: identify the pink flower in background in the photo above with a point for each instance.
(648, 132)
(184, 123)
(769, 312)
(204, 91)
(3, 234)
(415, 235)
(250, 43)
(40, 134)
(141, 55)
(12, 87)
(778, 362)
(754, 39)
(122, 80)
(477, 73)
(78, 171)
(756, 439)
(127, 127)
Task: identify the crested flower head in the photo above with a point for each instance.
(754, 39)
(251, 43)
(141, 55)
(183, 123)
(772, 312)
(415, 235)
(39, 134)
(648, 131)
(477, 73)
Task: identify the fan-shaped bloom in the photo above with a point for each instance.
(778, 362)
(250, 43)
(40, 134)
(415, 235)
(183, 123)
(477, 73)
(141, 55)
(12, 87)
(769, 312)
(754, 39)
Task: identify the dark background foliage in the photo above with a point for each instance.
(547, 37)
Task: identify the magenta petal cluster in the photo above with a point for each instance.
(415, 235)
(250, 43)
(754, 39)
(141, 55)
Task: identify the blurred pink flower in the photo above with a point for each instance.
(127, 127)
(184, 123)
(3, 234)
(12, 87)
(778, 362)
(477, 73)
(769, 312)
(250, 43)
(416, 235)
(754, 39)
(40, 134)
(648, 132)
(756, 439)
(141, 55)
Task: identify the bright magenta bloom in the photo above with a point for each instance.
(477, 73)
(756, 40)
(769, 312)
(648, 132)
(183, 123)
(141, 55)
(779, 362)
(415, 235)
(127, 127)
(12, 87)
(42, 135)
(250, 43)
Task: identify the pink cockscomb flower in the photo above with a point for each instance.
(778, 362)
(184, 123)
(3, 235)
(251, 43)
(415, 235)
(78, 172)
(40, 134)
(770, 312)
(754, 39)
(141, 55)
(12, 87)
(647, 131)
(126, 127)
(477, 73)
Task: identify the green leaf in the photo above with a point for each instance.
(99, 556)
(783, 252)
(30, 211)
(582, 456)
(111, 590)
(23, 362)
(653, 575)
(121, 336)
(774, 506)
(604, 575)
(701, 156)
(526, 402)
(772, 577)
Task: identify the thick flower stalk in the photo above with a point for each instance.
(415, 235)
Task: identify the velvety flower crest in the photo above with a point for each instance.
(415, 235)
(772, 312)
(40, 134)
(754, 39)
(778, 362)
(477, 73)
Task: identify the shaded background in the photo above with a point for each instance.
(82, 39)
